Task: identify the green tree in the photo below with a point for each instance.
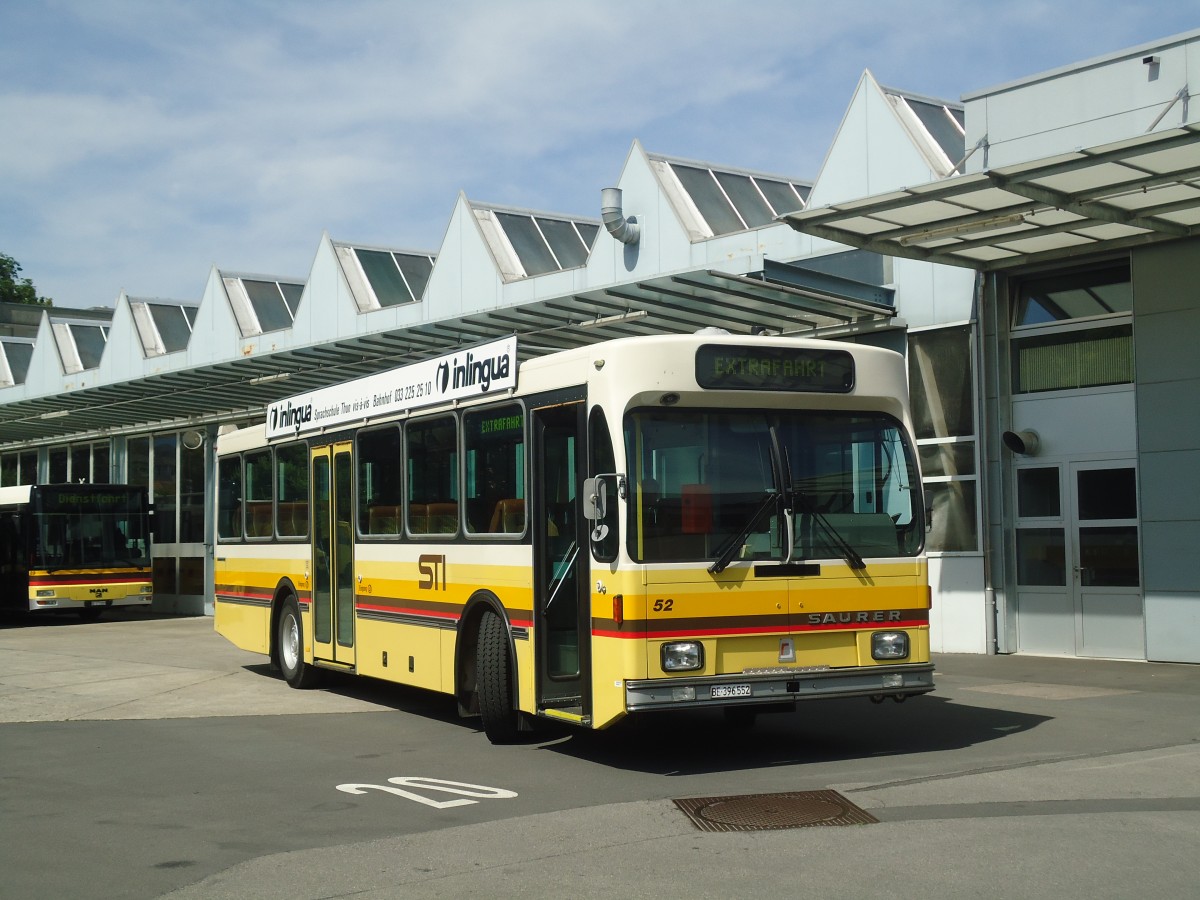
(14, 290)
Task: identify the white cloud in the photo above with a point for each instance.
(159, 137)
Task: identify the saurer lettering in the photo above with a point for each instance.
(854, 618)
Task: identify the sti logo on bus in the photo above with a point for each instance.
(291, 416)
(473, 371)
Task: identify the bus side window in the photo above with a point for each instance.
(379, 481)
(602, 461)
(432, 466)
(494, 453)
(229, 498)
(291, 490)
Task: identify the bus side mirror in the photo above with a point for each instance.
(929, 510)
(595, 505)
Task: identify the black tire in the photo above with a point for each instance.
(290, 647)
(493, 667)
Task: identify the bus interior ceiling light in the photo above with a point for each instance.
(618, 224)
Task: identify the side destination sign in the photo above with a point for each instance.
(486, 369)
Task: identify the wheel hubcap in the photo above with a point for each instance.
(291, 642)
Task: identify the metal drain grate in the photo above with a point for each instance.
(761, 812)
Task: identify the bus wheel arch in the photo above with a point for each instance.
(287, 639)
(487, 669)
(466, 678)
(283, 590)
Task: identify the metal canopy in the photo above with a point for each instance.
(1135, 192)
(781, 298)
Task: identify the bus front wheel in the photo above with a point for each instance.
(296, 671)
(493, 666)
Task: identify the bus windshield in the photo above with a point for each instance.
(782, 486)
(90, 529)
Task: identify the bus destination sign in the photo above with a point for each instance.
(474, 372)
(749, 368)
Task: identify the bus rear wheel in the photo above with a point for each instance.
(290, 646)
(493, 666)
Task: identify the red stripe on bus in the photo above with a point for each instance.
(430, 614)
(794, 629)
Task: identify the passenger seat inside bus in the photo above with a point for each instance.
(441, 518)
(383, 520)
(508, 517)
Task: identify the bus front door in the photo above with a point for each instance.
(333, 554)
(562, 613)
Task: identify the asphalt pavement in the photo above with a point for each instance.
(1032, 777)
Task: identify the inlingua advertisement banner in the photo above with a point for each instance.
(473, 372)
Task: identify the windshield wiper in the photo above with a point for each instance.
(835, 537)
(734, 542)
(772, 498)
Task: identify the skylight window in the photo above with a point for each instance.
(395, 278)
(416, 269)
(270, 303)
(174, 324)
(16, 356)
(262, 304)
(90, 341)
(735, 201)
(938, 128)
(541, 244)
(942, 124)
(163, 327)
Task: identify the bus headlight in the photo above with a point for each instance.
(889, 645)
(682, 656)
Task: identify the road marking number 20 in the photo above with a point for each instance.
(420, 782)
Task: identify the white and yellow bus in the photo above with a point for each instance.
(78, 548)
(643, 524)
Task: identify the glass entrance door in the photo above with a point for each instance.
(1078, 568)
(333, 553)
(1106, 564)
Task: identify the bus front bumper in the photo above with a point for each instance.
(777, 686)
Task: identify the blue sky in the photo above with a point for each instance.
(147, 140)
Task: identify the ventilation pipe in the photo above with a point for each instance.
(1024, 443)
(624, 230)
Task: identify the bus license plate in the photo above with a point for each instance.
(730, 690)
